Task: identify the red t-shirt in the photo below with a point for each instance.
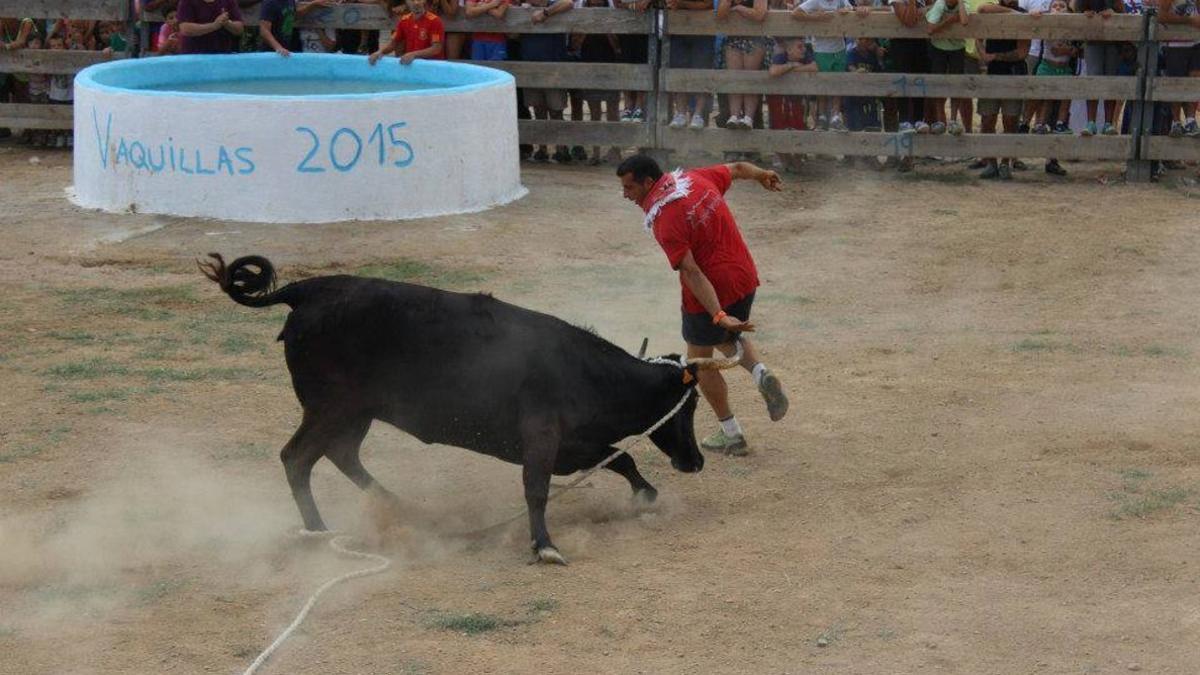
(414, 34)
(701, 222)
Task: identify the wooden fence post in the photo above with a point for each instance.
(650, 112)
(662, 107)
(1138, 169)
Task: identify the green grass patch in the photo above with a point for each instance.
(471, 624)
(1149, 502)
(147, 304)
(244, 452)
(76, 336)
(1156, 351)
(20, 451)
(416, 271)
(8, 631)
(543, 605)
(87, 369)
(1031, 345)
(238, 343)
(165, 374)
(113, 394)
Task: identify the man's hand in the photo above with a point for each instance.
(374, 57)
(283, 51)
(223, 18)
(407, 59)
(539, 16)
(736, 325)
(770, 181)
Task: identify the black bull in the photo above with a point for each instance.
(465, 370)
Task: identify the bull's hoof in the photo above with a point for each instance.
(550, 556)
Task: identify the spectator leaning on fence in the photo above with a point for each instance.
(39, 94)
(1056, 62)
(62, 89)
(784, 111)
(1002, 57)
(14, 35)
(277, 24)
(1101, 58)
(910, 56)
(1182, 60)
(829, 53)
(862, 112)
(418, 35)
(695, 52)
(547, 104)
(209, 26)
(602, 104)
(744, 53)
(946, 57)
(488, 46)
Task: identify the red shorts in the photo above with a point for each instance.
(786, 112)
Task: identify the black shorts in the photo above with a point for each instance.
(1181, 61)
(634, 48)
(699, 330)
(943, 61)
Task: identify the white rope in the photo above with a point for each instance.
(335, 543)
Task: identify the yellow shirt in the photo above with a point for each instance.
(972, 8)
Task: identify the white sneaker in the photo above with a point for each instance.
(734, 122)
(747, 122)
(679, 121)
(697, 122)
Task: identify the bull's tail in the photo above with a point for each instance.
(249, 280)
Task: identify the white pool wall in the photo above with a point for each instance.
(294, 159)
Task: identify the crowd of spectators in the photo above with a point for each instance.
(218, 26)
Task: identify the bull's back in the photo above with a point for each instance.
(446, 367)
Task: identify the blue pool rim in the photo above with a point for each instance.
(129, 76)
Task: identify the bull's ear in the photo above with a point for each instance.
(689, 375)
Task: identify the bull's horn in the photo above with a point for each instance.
(642, 351)
(718, 364)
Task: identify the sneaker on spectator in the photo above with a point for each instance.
(639, 115)
(992, 171)
(1189, 128)
(541, 156)
(1089, 130)
(837, 124)
(1041, 129)
(921, 127)
(697, 122)
(1004, 172)
(1023, 127)
(956, 128)
(822, 123)
(734, 122)
(906, 128)
(937, 128)
(1176, 130)
(679, 121)
(747, 122)
(562, 156)
(1054, 168)
(627, 115)
(1061, 128)
(579, 154)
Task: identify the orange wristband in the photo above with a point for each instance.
(718, 316)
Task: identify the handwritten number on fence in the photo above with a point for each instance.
(902, 144)
(917, 83)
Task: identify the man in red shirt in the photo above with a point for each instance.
(687, 214)
(419, 33)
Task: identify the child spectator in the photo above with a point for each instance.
(62, 91)
(488, 46)
(1002, 57)
(909, 56)
(39, 93)
(946, 57)
(691, 51)
(110, 39)
(418, 35)
(744, 53)
(862, 113)
(1056, 62)
(830, 55)
(787, 112)
(1182, 60)
(168, 36)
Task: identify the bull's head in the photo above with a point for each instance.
(677, 437)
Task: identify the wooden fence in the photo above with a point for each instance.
(1141, 90)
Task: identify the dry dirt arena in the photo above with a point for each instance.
(991, 464)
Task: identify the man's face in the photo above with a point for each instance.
(635, 191)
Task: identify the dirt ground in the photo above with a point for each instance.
(991, 464)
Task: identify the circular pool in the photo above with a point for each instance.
(308, 139)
